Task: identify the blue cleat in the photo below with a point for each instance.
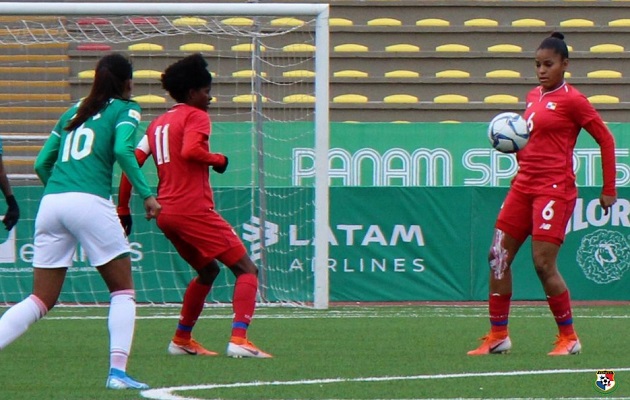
(118, 379)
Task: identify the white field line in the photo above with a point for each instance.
(168, 393)
(84, 314)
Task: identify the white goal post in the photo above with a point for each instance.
(318, 111)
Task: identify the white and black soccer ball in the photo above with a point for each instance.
(508, 132)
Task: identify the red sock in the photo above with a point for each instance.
(560, 306)
(194, 300)
(499, 310)
(244, 303)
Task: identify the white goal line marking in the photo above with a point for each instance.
(168, 393)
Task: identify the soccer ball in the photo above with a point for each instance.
(508, 132)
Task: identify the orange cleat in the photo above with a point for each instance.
(566, 345)
(492, 344)
(242, 348)
(191, 347)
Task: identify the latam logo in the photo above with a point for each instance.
(253, 232)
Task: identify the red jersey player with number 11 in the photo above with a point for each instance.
(542, 196)
(178, 142)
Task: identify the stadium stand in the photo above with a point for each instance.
(466, 60)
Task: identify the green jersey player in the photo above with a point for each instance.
(76, 165)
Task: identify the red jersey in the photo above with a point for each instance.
(178, 142)
(555, 119)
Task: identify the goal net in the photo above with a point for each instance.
(270, 103)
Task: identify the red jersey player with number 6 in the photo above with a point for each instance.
(178, 142)
(542, 196)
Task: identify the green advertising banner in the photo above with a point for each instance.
(386, 244)
(412, 208)
(389, 154)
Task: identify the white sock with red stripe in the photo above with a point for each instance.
(17, 319)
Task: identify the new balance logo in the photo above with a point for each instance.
(253, 235)
(544, 226)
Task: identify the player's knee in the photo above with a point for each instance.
(209, 273)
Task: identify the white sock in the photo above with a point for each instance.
(18, 318)
(121, 323)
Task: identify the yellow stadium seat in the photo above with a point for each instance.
(238, 21)
(450, 121)
(503, 73)
(350, 47)
(451, 98)
(607, 48)
(603, 99)
(340, 22)
(577, 23)
(453, 47)
(86, 74)
(246, 73)
(481, 22)
(505, 48)
(500, 99)
(604, 73)
(384, 22)
(432, 22)
(247, 98)
(299, 98)
(189, 21)
(528, 22)
(400, 73)
(146, 73)
(297, 47)
(299, 73)
(287, 21)
(350, 73)
(452, 73)
(145, 47)
(196, 47)
(249, 47)
(402, 48)
(400, 98)
(149, 98)
(350, 98)
(624, 22)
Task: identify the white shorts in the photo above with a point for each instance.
(67, 219)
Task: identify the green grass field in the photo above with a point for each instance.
(355, 352)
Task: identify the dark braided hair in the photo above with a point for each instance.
(555, 42)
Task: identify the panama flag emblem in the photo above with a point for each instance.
(605, 381)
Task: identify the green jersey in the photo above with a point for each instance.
(82, 160)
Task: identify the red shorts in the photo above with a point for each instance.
(199, 239)
(543, 216)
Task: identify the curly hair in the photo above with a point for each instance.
(188, 73)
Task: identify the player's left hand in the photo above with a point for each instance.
(221, 169)
(127, 222)
(606, 201)
(12, 215)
